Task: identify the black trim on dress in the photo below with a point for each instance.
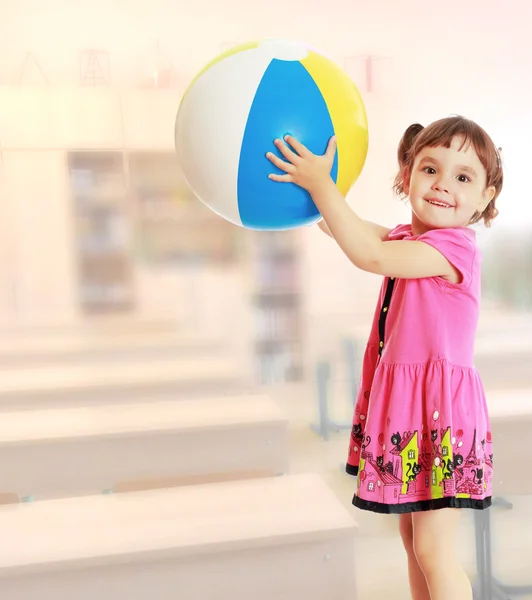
(384, 312)
(422, 505)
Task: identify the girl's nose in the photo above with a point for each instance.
(441, 185)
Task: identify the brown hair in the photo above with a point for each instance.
(442, 133)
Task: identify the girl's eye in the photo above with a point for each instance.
(429, 170)
(463, 178)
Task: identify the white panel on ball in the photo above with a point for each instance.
(217, 106)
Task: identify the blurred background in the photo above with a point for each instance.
(111, 271)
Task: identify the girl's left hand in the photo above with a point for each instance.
(302, 167)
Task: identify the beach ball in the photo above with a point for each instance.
(239, 103)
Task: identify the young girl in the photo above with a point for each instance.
(421, 440)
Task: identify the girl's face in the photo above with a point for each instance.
(447, 187)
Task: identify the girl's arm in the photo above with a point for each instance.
(362, 244)
(380, 230)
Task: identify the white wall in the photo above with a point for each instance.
(464, 57)
(36, 202)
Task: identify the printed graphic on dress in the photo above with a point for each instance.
(410, 466)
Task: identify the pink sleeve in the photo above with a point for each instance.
(458, 246)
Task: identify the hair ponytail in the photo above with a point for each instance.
(403, 156)
(406, 143)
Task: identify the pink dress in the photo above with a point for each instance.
(421, 437)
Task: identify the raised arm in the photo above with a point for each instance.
(362, 243)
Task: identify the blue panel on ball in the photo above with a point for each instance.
(287, 101)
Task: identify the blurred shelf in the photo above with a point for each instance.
(276, 305)
(102, 223)
(171, 225)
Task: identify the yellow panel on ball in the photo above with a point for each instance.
(348, 115)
